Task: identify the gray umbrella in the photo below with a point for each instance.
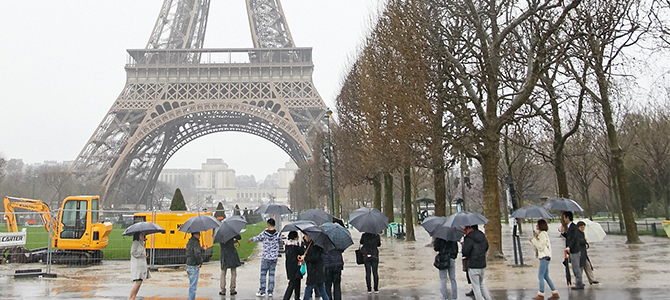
(293, 226)
(339, 235)
(317, 235)
(143, 227)
(199, 223)
(318, 216)
(273, 209)
(230, 227)
(368, 220)
(435, 226)
(563, 204)
(531, 212)
(432, 222)
(465, 218)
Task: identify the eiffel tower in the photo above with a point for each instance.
(176, 92)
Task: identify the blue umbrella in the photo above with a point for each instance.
(339, 235)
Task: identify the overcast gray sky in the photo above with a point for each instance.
(62, 67)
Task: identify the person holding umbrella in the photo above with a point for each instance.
(293, 275)
(370, 249)
(447, 252)
(333, 260)
(193, 263)
(270, 238)
(474, 250)
(542, 246)
(229, 260)
(139, 271)
(573, 249)
(316, 275)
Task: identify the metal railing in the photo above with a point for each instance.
(145, 57)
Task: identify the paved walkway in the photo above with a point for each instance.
(406, 272)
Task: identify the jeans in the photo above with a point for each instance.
(233, 279)
(293, 288)
(575, 260)
(320, 288)
(451, 272)
(268, 268)
(477, 278)
(371, 265)
(543, 274)
(193, 273)
(333, 279)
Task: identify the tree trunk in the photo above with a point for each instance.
(377, 200)
(388, 196)
(613, 209)
(415, 207)
(408, 206)
(559, 169)
(464, 165)
(666, 203)
(489, 160)
(589, 210)
(440, 191)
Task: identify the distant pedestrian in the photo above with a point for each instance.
(474, 250)
(316, 274)
(270, 238)
(139, 270)
(542, 246)
(334, 264)
(371, 242)
(193, 263)
(573, 248)
(293, 250)
(230, 260)
(448, 250)
(585, 262)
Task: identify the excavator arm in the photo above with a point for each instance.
(12, 203)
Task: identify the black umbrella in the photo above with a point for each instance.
(293, 226)
(273, 209)
(339, 235)
(318, 216)
(531, 212)
(568, 278)
(465, 218)
(143, 227)
(199, 223)
(230, 227)
(431, 223)
(563, 204)
(448, 233)
(368, 220)
(317, 235)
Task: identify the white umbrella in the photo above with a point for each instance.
(593, 231)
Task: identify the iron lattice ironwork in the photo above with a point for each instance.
(176, 92)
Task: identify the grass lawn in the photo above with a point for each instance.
(119, 246)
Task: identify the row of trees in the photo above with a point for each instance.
(522, 88)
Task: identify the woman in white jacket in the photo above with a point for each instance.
(138, 263)
(540, 242)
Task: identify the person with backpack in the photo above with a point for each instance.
(270, 238)
(293, 249)
(445, 262)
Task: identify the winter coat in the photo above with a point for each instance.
(316, 273)
(293, 249)
(138, 261)
(446, 247)
(475, 247)
(270, 239)
(333, 259)
(581, 241)
(572, 238)
(370, 242)
(229, 257)
(542, 245)
(193, 252)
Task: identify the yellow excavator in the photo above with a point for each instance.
(78, 236)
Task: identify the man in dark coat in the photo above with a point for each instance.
(573, 247)
(229, 260)
(293, 250)
(334, 264)
(316, 275)
(193, 263)
(370, 243)
(474, 250)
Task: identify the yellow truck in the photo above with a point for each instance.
(169, 248)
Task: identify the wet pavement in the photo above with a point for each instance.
(406, 272)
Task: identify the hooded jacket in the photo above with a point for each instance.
(475, 247)
(293, 249)
(316, 273)
(193, 252)
(270, 239)
(333, 259)
(446, 247)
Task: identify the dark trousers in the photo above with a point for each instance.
(293, 288)
(333, 279)
(372, 265)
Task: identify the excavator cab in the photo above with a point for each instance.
(79, 227)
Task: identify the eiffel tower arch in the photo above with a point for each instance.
(176, 92)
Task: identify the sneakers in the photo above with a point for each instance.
(369, 292)
(376, 292)
(224, 293)
(595, 282)
(270, 295)
(260, 294)
(233, 293)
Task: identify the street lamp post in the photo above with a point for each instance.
(330, 161)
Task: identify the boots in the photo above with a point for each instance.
(540, 296)
(554, 295)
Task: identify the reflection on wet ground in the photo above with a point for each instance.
(406, 272)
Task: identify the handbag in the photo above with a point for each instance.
(303, 269)
(359, 256)
(442, 261)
